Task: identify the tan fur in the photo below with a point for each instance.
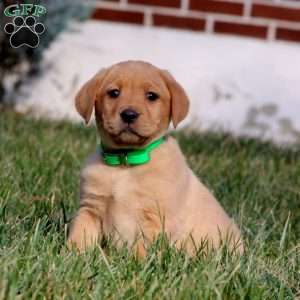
(133, 205)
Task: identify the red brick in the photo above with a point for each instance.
(168, 3)
(178, 22)
(257, 31)
(276, 12)
(118, 15)
(288, 34)
(232, 8)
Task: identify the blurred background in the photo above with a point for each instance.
(239, 60)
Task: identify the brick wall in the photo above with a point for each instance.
(263, 19)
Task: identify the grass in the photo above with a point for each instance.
(257, 183)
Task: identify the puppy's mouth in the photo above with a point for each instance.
(130, 130)
(129, 136)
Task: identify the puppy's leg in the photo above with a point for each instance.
(86, 228)
(150, 226)
(139, 249)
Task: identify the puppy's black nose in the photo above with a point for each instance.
(129, 115)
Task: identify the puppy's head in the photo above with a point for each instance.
(134, 103)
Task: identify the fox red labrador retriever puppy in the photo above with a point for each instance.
(138, 184)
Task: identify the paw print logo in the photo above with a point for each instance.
(24, 31)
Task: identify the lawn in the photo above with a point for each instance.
(257, 183)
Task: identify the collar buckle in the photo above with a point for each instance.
(125, 159)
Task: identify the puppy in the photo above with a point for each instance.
(138, 185)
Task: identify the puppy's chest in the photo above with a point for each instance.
(128, 190)
(132, 204)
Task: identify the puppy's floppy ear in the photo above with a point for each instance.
(179, 99)
(86, 97)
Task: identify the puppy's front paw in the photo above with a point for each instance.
(84, 232)
(80, 243)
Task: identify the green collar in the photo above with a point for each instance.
(129, 157)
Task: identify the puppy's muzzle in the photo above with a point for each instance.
(129, 115)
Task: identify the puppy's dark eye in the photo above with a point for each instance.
(152, 96)
(114, 93)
